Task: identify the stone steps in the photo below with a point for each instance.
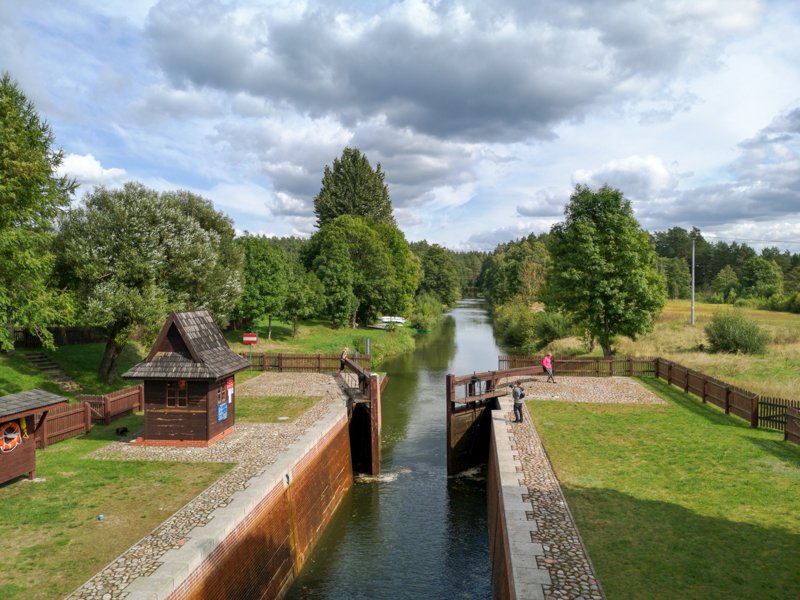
(46, 365)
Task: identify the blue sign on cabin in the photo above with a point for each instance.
(222, 411)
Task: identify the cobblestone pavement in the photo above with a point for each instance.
(565, 557)
(252, 446)
(609, 390)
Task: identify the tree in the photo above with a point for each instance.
(132, 255)
(761, 278)
(440, 275)
(726, 284)
(603, 267)
(304, 297)
(31, 198)
(515, 271)
(677, 276)
(265, 280)
(352, 187)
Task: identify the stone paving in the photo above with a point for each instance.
(252, 446)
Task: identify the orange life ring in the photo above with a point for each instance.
(10, 436)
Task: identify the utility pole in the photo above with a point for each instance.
(692, 318)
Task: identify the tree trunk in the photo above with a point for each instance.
(108, 366)
(10, 328)
(607, 349)
(269, 327)
(353, 319)
(294, 331)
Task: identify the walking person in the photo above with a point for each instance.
(345, 350)
(547, 363)
(517, 393)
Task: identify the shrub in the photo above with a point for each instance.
(550, 326)
(515, 323)
(427, 311)
(733, 332)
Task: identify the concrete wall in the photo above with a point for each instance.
(515, 572)
(254, 546)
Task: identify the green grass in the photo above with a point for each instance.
(53, 538)
(678, 501)
(317, 337)
(267, 409)
(19, 375)
(82, 361)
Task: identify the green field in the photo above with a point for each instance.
(53, 538)
(775, 373)
(315, 337)
(678, 501)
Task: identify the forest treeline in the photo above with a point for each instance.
(121, 258)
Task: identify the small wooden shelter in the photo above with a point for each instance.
(18, 431)
(188, 382)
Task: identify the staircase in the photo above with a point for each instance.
(53, 371)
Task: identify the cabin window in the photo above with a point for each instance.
(177, 395)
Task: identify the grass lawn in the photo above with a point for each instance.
(267, 409)
(51, 532)
(678, 501)
(316, 337)
(82, 361)
(19, 375)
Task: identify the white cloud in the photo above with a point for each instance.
(88, 171)
(639, 177)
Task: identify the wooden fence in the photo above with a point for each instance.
(108, 407)
(792, 431)
(313, 363)
(63, 422)
(585, 367)
(759, 411)
(62, 336)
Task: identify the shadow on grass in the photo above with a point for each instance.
(784, 451)
(658, 550)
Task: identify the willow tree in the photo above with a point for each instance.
(134, 254)
(603, 267)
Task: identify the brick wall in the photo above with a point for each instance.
(261, 556)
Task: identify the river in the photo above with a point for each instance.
(413, 533)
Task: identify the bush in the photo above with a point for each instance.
(515, 322)
(551, 326)
(427, 311)
(733, 332)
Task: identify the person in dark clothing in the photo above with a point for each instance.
(518, 393)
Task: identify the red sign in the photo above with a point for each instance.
(229, 383)
(249, 338)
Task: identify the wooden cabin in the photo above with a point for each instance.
(18, 431)
(189, 391)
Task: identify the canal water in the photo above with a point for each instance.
(414, 533)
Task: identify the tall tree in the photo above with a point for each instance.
(353, 187)
(761, 278)
(603, 269)
(32, 196)
(304, 298)
(133, 255)
(515, 271)
(266, 280)
(676, 275)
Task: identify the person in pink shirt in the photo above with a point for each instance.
(547, 363)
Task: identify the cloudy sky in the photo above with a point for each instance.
(484, 115)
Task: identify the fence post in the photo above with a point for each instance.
(686, 383)
(669, 373)
(141, 397)
(705, 388)
(44, 431)
(319, 363)
(727, 399)
(106, 410)
(280, 362)
(754, 411)
(87, 416)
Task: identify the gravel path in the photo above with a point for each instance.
(252, 445)
(611, 390)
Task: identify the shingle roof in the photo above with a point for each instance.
(27, 402)
(208, 355)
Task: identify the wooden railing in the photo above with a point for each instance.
(587, 367)
(307, 363)
(108, 407)
(62, 336)
(791, 432)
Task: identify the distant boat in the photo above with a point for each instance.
(400, 320)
